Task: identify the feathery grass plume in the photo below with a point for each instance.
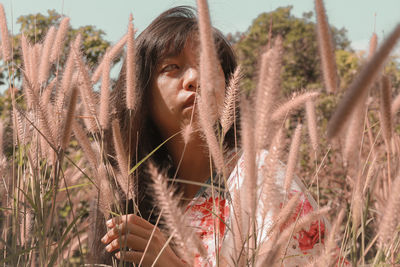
(391, 216)
(106, 196)
(42, 115)
(187, 131)
(231, 100)
(268, 90)
(59, 39)
(271, 195)
(211, 77)
(20, 129)
(130, 67)
(249, 187)
(105, 93)
(355, 132)
(385, 109)
(44, 62)
(69, 66)
(373, 43)
(121, 154)
(69, 118)
(5, 38)
(361, 83)
(293, 157)
(207, 126)
(26, 57)
(312, 124)
(84, 143)
(292, 104)
(34, 65)
(86, 91)
(188, 244)
(113, 54)
(326, 48)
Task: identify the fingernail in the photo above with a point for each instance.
(109, 223)
(108, 248)
(118, 255)
(104, 239)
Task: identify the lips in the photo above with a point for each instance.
(189, 102)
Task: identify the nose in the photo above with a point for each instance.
(191, 79)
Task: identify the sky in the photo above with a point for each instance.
(357, 16)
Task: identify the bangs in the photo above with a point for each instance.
(172, 41)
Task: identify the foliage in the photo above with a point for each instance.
(35, 27)
(301, 60)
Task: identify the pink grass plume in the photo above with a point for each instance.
(293, 157)
(5, 38)
(130, 67)
(326, 48)
(44, 61)
(104, 115)
(59, 39)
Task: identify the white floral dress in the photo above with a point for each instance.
(211, 210)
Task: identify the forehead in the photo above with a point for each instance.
(173, 51)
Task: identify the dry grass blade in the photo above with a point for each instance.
(5, 39)
(326, 48)
(396, 105)
(362, 82)
(385, 109)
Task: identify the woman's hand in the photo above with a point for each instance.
(130, 234)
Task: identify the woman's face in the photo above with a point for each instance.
(173, 91)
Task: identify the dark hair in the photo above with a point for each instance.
(167, 34)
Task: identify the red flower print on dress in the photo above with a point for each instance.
(306, 238)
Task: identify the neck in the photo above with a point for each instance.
(192, 162)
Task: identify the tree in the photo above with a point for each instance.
(300, 61)
(35, 27)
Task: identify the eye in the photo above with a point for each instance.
(169, 67)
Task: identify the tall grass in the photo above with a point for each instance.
(59, 163)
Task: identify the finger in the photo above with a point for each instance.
(127, 241)
(131, 218)
(125, 228)
(130, 256)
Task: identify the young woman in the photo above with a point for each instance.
(167, 58)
